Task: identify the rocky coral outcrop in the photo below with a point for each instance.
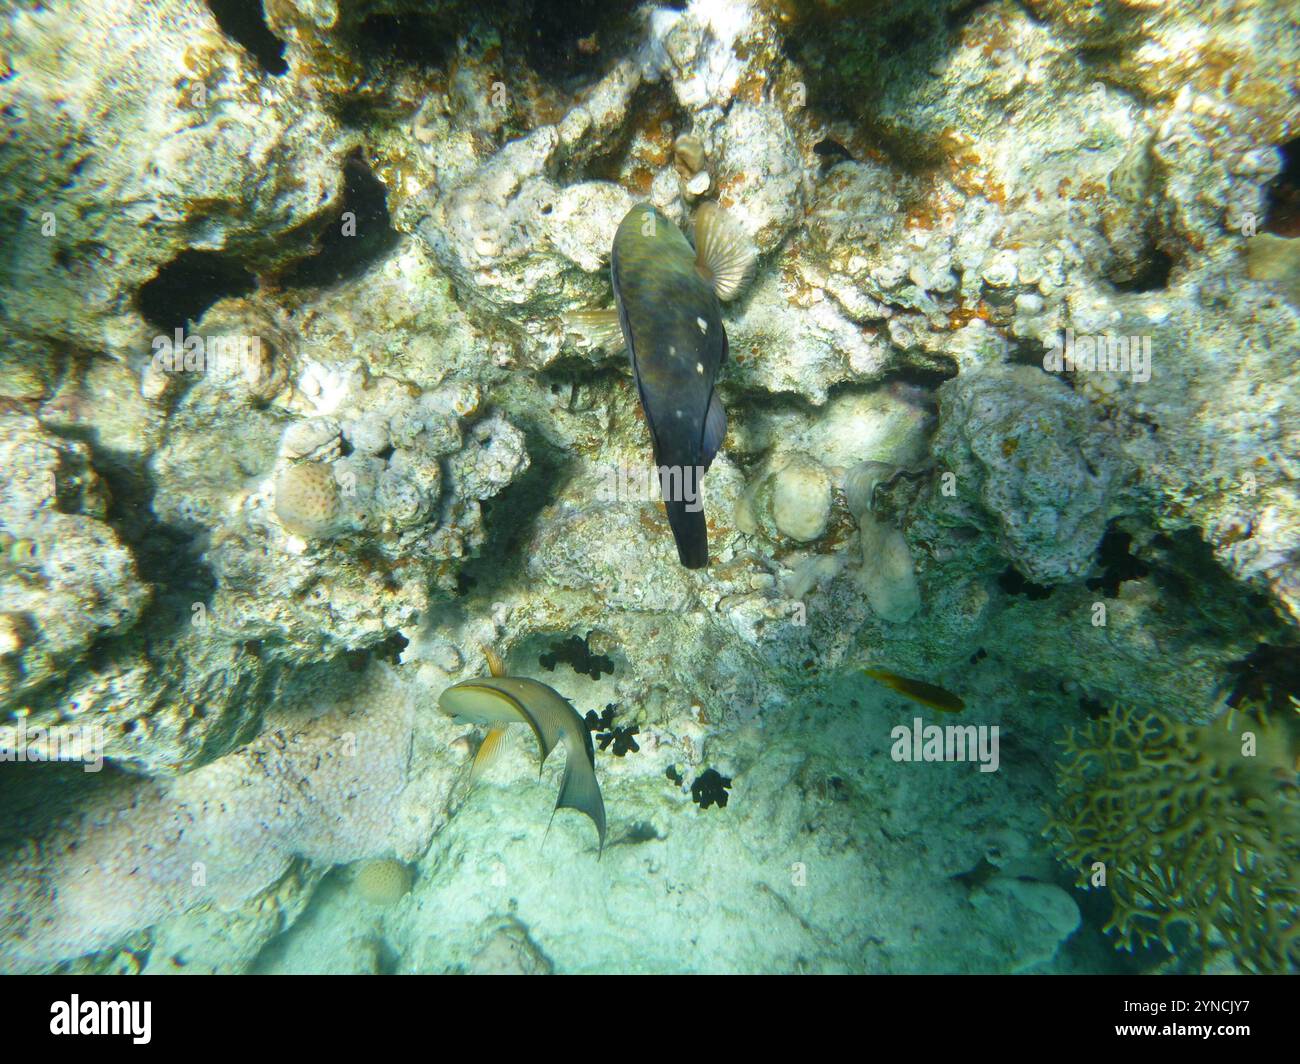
(330, 782)
(66, 578)
(1010, 400)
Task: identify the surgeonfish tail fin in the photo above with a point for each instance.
(724, 253)
(494, 663)
(691, 534)
(579, 790)
(595, 328)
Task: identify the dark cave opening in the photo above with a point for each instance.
(1152, 277)
(360, 233)
(244, 21)
(568, 39)
(419, 39)
(1282, 217)
(1014, 582)
(184, 288)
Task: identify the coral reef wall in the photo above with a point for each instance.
(291, 424)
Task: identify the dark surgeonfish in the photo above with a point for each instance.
(499, 700)
(666, 293)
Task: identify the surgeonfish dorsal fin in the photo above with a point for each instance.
(494, 663)
(595, 328)
(724, 254)
(715, 430)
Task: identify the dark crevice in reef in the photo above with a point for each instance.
(653, 108)
(167, 558)
(1093, 708)
(1022, 351)
(927, 378)
(1014, 583)
(1185, 569)
(510, 517)
(388, 650)
(566, 43)
(850, 54)
(1153, 275)
(184, 288)
(1283, 215)
(359, 234)
(568, 40)
(244, 21)
(421, 39)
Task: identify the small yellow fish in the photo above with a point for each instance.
(927, 694)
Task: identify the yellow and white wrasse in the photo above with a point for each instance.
(499, 701)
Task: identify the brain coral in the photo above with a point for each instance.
(1192, 829)
(307, 499)
(382, 881)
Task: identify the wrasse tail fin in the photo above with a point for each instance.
(724, 254)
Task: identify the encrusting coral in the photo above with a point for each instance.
(1193, 825)
(334, 788)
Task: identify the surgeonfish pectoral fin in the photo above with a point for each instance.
(595, 328)
(724, 254)
(488, 752)
(579, 790)
(715, 430)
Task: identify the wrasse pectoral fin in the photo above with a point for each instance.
(927, 694)
(595, 328)
(724, 254)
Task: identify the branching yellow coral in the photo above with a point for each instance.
(1198, 825)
